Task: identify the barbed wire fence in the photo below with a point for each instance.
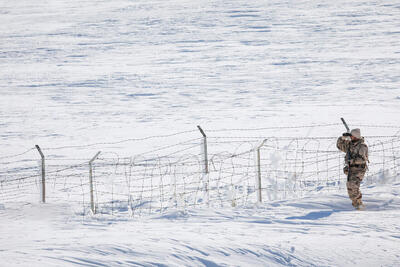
(224, 168)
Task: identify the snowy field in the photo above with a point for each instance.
(323, 231)
(87, 75)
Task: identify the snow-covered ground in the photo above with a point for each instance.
(311, 231)
(96, 72)
(77, 72)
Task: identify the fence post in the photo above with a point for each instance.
(43, 175)
(205, 149)
(259, 189)
(207, 183)
(92, 207)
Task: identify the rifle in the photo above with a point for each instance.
(348, 155)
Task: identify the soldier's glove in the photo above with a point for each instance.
(346, 137)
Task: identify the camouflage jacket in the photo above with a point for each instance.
(358, 150)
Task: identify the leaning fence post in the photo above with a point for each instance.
(91, 182)
(259, 189)
(43, 175)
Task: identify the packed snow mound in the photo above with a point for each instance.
(319, 230)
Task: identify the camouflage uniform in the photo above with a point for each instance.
(358, 166)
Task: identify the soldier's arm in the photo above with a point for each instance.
(363, 152)
(343, 143)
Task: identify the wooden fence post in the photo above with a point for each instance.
(92, 207)
(43, 188)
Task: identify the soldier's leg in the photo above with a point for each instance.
(353, 188)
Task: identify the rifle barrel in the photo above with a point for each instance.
(345, 125)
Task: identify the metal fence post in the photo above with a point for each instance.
(92, 207)
(259, 185)
(205, 149)
(43, 188)
(207, 178)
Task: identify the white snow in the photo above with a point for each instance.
(310, 231)
(77, 73)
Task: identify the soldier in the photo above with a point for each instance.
(358, 151)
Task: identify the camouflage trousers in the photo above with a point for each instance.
(353, 185)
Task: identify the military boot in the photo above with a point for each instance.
(359, 205)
